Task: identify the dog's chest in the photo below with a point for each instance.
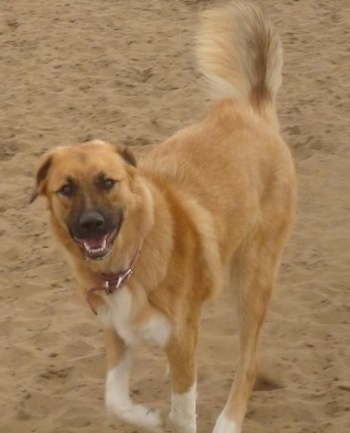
(156, 329)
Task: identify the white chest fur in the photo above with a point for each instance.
(117, 312)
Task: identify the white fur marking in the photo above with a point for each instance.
(225, 425)
(119, 403)
(183, 411)
(155, 330)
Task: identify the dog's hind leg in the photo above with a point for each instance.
(181, 353)
(117, 396)
(254, 271)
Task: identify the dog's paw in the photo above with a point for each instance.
(183, 427)
(142, 417)
(149, 419)
(225, 425)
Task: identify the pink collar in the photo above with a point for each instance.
(112, 282)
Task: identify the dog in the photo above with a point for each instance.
(151, 241)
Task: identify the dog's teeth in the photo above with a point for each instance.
(96, 250)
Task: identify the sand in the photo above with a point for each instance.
(124, 71)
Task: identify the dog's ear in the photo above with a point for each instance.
(41, 176)
(126, 154)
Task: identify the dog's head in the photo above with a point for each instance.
(88, 188)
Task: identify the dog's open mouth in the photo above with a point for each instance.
(99, 247)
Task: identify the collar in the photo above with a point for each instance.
(109, 283)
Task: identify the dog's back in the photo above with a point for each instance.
(237, 147)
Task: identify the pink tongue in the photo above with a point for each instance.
(95, 242)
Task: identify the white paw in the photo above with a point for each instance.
(225, 425)
(149, 419)
(182, 427)
(183, 411)
(140, 416)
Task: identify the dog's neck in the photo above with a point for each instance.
(110, 283)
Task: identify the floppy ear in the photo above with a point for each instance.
(126, 154)
(41, 177)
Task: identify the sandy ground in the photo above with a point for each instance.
(124, 71)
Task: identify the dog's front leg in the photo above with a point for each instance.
(117, 396)
(181, 353)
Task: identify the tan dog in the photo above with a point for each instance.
(151, 242)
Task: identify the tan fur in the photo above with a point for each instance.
(214, 201)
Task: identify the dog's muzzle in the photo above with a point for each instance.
(95, 234)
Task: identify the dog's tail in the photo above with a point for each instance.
(240, 54)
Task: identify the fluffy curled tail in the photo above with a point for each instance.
(240, 54)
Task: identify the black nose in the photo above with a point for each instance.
(91, 223)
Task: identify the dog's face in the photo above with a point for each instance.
(88, 187)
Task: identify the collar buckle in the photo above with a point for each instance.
(111, 285)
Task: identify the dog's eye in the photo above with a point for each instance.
(67, 190)
(108, 184)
